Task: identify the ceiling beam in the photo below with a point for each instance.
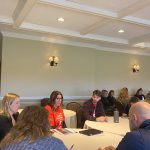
(140, 39)
(133, 8)
(22, 9)
(70, 33)
(94, 26)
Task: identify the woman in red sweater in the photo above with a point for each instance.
(56, 115)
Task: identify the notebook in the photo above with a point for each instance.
(63, 131)
(91, 132)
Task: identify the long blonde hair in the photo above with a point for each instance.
(32, 122)
(123, 95)
(7, 101)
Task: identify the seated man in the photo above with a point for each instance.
(93, 109)
(139, 137)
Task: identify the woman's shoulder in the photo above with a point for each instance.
(4, 119)
(51, 142)
(48, 108)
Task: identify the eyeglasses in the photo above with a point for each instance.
(59, 98)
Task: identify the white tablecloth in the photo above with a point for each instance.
(120, 128)
(83, 142)
(70, 118)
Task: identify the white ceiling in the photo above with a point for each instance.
(88, 23)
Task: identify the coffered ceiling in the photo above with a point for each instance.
(88, 23)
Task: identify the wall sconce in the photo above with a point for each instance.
(136, 68)
(53, 61)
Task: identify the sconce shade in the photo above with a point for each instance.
(53, 61)
(136, 68)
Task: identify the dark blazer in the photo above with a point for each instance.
(88, 110)
(6, 124)
(138, 139)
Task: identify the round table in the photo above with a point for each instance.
(70, 118)
(120, 128)
(83, 142)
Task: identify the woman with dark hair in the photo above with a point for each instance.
(140, 94)
(54, 107)
(9, 114)
(111, 97)
(32, 132)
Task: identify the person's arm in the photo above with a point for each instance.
(100, 109)
(86, 112)
(100, 113)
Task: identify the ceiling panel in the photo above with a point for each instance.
(131, 30)
(143, 13)
(49, 14)
(7, 7)
(111, 5)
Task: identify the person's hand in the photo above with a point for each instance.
(107, 148)
(101, 119)
(124, 115)
(106, 119)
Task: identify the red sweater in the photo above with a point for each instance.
(56, 118)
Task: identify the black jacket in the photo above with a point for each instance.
(6, 124)
(88, 110)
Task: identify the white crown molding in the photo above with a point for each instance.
(72, 43)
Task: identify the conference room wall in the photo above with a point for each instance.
(26, 71)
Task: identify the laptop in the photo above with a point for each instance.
(90, 132)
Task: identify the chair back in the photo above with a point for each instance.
(44, 102)
(74, 106)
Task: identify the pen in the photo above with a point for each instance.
(71, 147)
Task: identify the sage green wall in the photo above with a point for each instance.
(25, 69)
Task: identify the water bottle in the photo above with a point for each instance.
(116, 116)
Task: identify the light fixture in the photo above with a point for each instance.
(121, 31)
(135, 68)
(53, 61)
(61, 19)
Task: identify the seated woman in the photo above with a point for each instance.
(140, 94)
(111, 98)
(56, 114)
(9, 114)
(123, 99)
(31, 132)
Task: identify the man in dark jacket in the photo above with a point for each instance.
(139, 137)
(93, 108)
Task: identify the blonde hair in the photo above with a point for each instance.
(7, 101)
(148, 97)
(123, 95)
(32, 123)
